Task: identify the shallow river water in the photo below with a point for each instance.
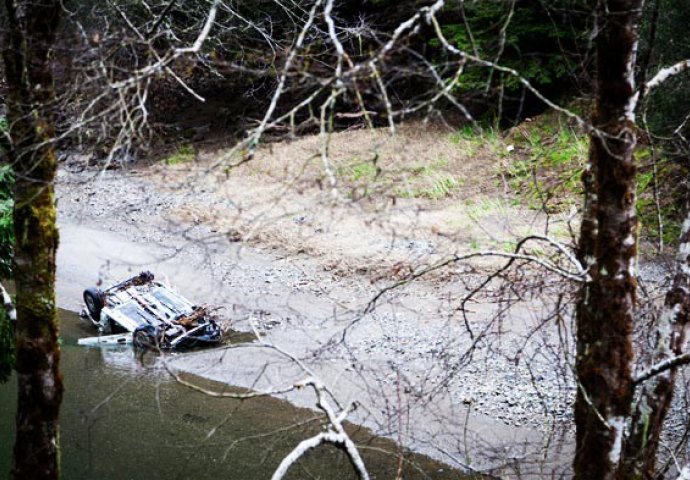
(123, 417)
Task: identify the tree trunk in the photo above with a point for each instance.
(32, 26)
(604, 313)
(655, 398)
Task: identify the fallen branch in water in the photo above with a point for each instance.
(335, 435)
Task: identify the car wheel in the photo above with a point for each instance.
(95, 301)
(144, 338)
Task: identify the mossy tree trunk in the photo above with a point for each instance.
(32, 27)
(605, 310)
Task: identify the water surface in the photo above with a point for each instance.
(123, 417)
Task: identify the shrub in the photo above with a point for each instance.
(6, 224)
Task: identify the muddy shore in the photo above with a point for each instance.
(393, 362)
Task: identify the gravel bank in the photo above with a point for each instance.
(410, 356)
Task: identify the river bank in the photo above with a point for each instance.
(124, 417)
(484, 385)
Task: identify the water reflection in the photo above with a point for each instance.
(124, 419)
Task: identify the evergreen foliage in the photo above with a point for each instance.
(6, 253)
(6, 224)
(666, 43)
(545, 42)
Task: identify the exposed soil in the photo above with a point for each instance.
(398, 200)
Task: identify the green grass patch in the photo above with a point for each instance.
(431, 181)
(362, 177)
(508, 246)
(361, 171)
(671, 198)
(435, 186)
(465, 133)
(541, 162)
(484, 207)
(471, 139)
(546, 165)
(183, 154)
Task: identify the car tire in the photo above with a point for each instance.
(95, 301)
(144, 338)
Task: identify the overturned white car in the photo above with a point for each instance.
(149, 314)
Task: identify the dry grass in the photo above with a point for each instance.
(403, 200)
(416, 162)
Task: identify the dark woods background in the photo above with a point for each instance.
(102, 43)
(549, 43)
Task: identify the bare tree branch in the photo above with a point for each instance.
(684, 474)
(161, 17)
(666, 73)
(661, 367)
(337, 436)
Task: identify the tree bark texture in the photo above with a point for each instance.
(604, 313)
(655, 398)
(32, 27)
